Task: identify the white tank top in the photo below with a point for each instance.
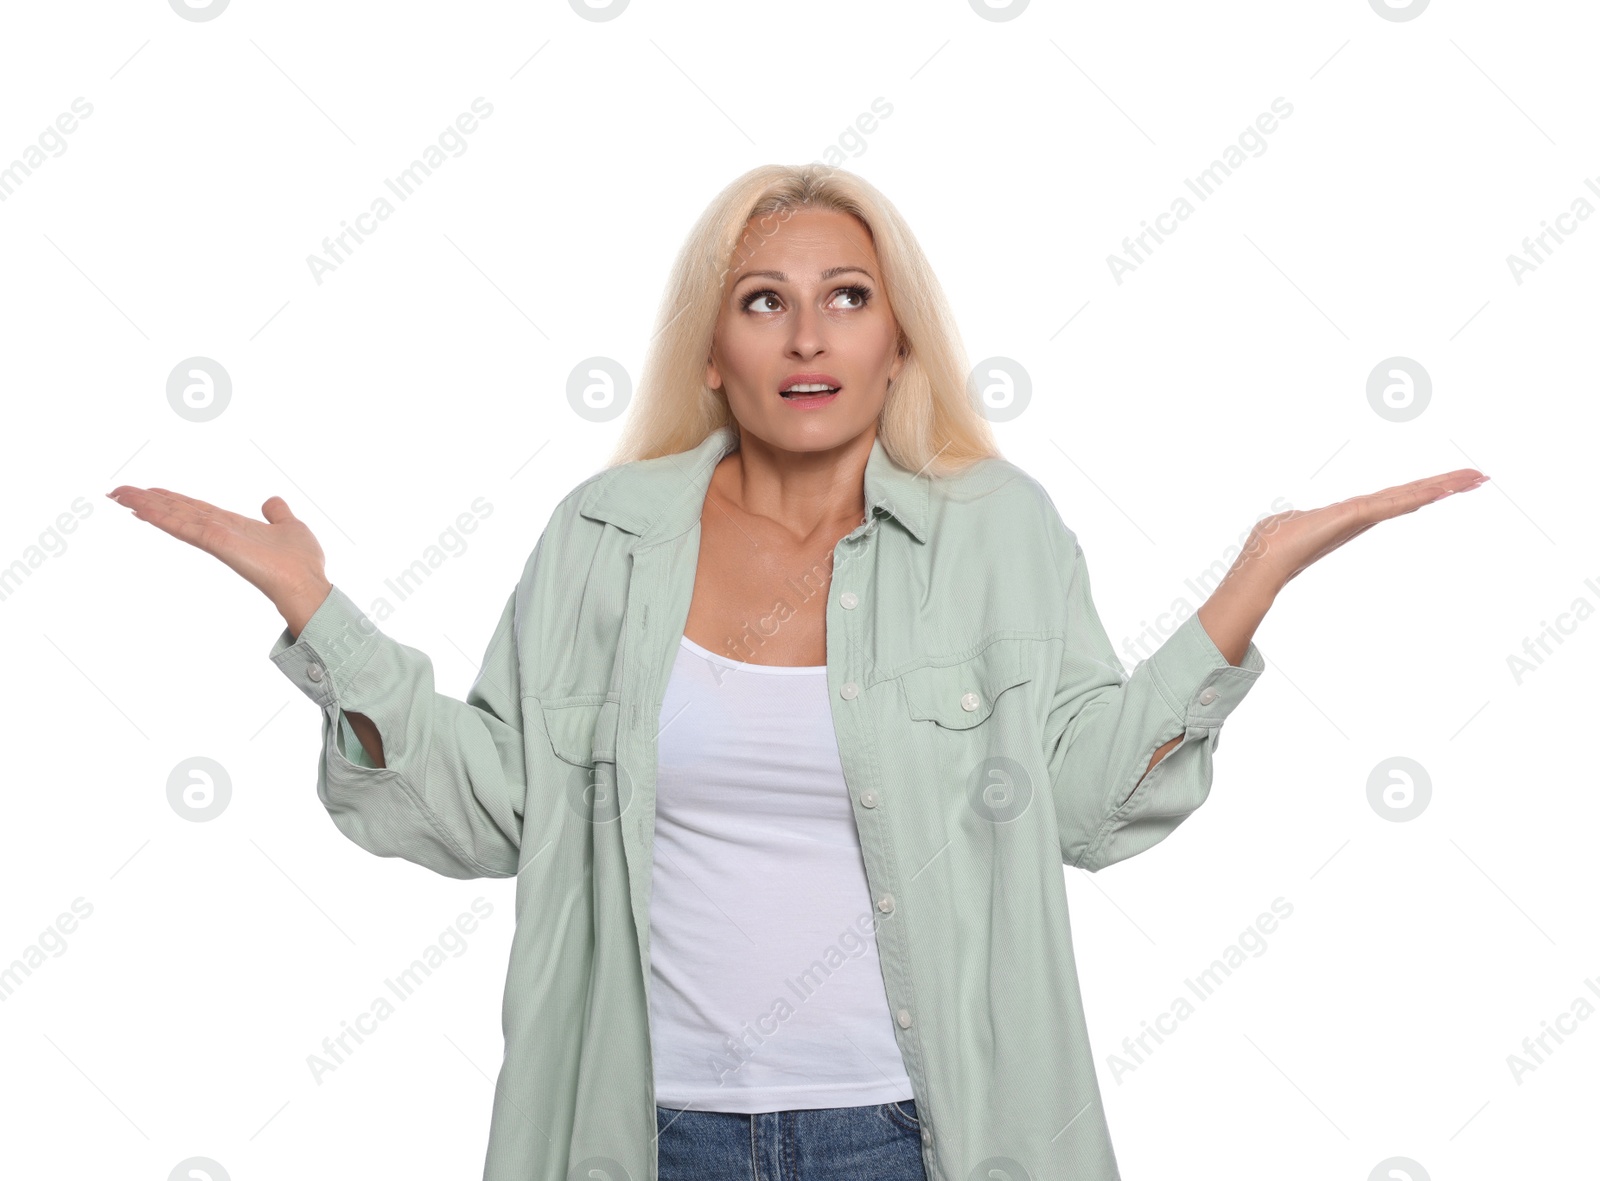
(765, 988)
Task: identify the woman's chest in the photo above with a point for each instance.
(760, 596)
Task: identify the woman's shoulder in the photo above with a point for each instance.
(996, 486)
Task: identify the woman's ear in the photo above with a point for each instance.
(713, 378)
(899, 363)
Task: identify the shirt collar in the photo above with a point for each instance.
(661, 497)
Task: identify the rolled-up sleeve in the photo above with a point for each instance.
(451, 794)
(1104, 725)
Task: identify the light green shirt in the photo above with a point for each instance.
(987, 732)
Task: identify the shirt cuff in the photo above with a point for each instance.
(335, 644)
(1195, 678)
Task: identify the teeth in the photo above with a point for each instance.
(808, 387)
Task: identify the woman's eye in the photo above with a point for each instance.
(768, 301)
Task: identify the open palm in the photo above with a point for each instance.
(1283, 545)
(278, 555)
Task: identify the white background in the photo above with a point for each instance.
(1168, 412)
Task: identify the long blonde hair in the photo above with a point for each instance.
(928, 424)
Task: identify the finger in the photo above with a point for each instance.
(1459, 479)
(194, 521)
(204, 506)
(276, 510)
(165, 512)
(178, 503)
(1408, 498)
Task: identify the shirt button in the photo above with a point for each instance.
(886, 903)
(848, 600)
(314, 671)
(969, 701)
(849, 690)
(869, 799)
(1207, 695)
(904, 1017)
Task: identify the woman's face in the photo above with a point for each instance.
(805, 306)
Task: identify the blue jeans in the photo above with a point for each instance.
(878, 1142)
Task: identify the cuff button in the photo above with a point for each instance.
(1207, 696)
(314, 671)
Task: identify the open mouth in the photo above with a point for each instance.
(804, 391)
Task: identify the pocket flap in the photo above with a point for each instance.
(958, 696)
(582, 729)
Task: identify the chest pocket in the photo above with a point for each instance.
(962, 695)
(583, 730)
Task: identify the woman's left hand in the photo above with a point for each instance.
(1282, 545)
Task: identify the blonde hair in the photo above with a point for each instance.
(928, 423)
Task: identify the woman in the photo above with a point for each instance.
(786, 731)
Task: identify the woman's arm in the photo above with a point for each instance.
(1281, 546)
(445, 786)
(297, 611)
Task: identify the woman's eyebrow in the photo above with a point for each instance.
(783, 278)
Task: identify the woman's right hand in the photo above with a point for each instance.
(278, 556)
